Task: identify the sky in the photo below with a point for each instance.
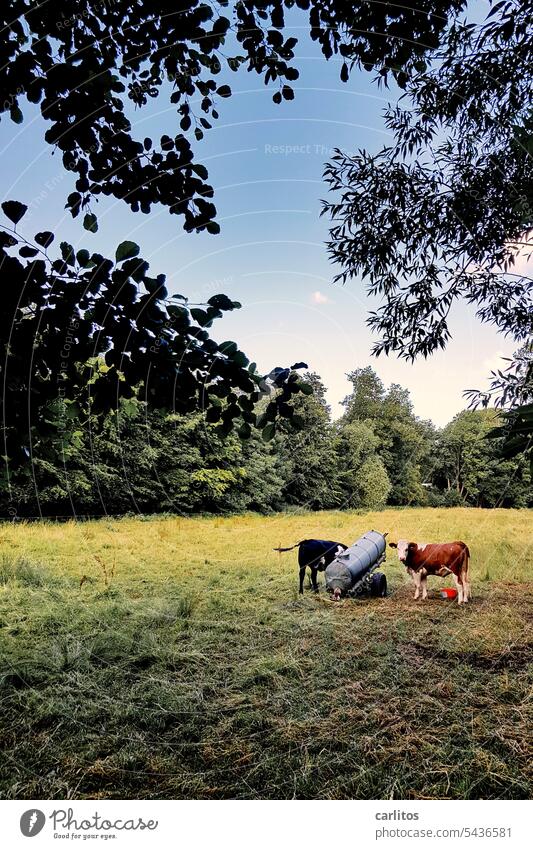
(265, 162)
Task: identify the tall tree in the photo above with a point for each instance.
(468, 465)
(442, 213)
(361, 472)
(306, 459)
(401, 440)
(366, 398)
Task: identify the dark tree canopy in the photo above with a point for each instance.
(83, 61)
(441, 214)
(80, 325)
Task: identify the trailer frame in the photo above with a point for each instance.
(363, 586)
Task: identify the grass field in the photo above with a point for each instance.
(173, 658)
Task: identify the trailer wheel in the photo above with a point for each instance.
(378, 585)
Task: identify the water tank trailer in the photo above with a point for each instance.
(353, 573)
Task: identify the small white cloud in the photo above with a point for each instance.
(319, 298)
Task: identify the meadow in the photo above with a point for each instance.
(173, 658)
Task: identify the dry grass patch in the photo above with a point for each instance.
(195, 670)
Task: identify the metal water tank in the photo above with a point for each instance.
(353, 564)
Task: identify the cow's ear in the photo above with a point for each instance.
(412, 546)
(393, 544)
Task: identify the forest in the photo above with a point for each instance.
(116, 399)
(378, 453)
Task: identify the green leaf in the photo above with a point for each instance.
(27, 252)
(67, 252)
(83, 257)
(129, 407)
(269, 431)
(516, 445)
(221, 302)
(271, 411)
(90, 222)
(16, 115)
(240, 359)
(200, 170)
(14, 210)
(286, 410)
(200, 316)
(45, 238)
(126, 250)
(7, 240)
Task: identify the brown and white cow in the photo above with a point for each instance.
(436, 558)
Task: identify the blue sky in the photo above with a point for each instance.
(265, 162)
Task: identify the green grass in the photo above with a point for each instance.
(173, 658)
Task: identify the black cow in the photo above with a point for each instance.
(317, 554)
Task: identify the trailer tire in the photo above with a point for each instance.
(378, 585)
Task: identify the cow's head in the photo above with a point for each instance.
(403, 546)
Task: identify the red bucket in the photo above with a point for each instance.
(448, 592)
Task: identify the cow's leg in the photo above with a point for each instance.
(424, 585)
(459, 585)
(464, 584)
(302, 576)
(314, 572)
(466, 581)
(417, 579)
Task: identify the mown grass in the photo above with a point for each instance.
(173, 658)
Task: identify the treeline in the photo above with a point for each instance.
(377, 453)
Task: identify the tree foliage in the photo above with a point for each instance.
(470, 466)
(81, 328)
(306, 458)
(83, 334)
(382, 422)
(78, 322)
(85, 64)
(442, 213)
(144, 460)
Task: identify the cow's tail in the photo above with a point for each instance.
(290, 548)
